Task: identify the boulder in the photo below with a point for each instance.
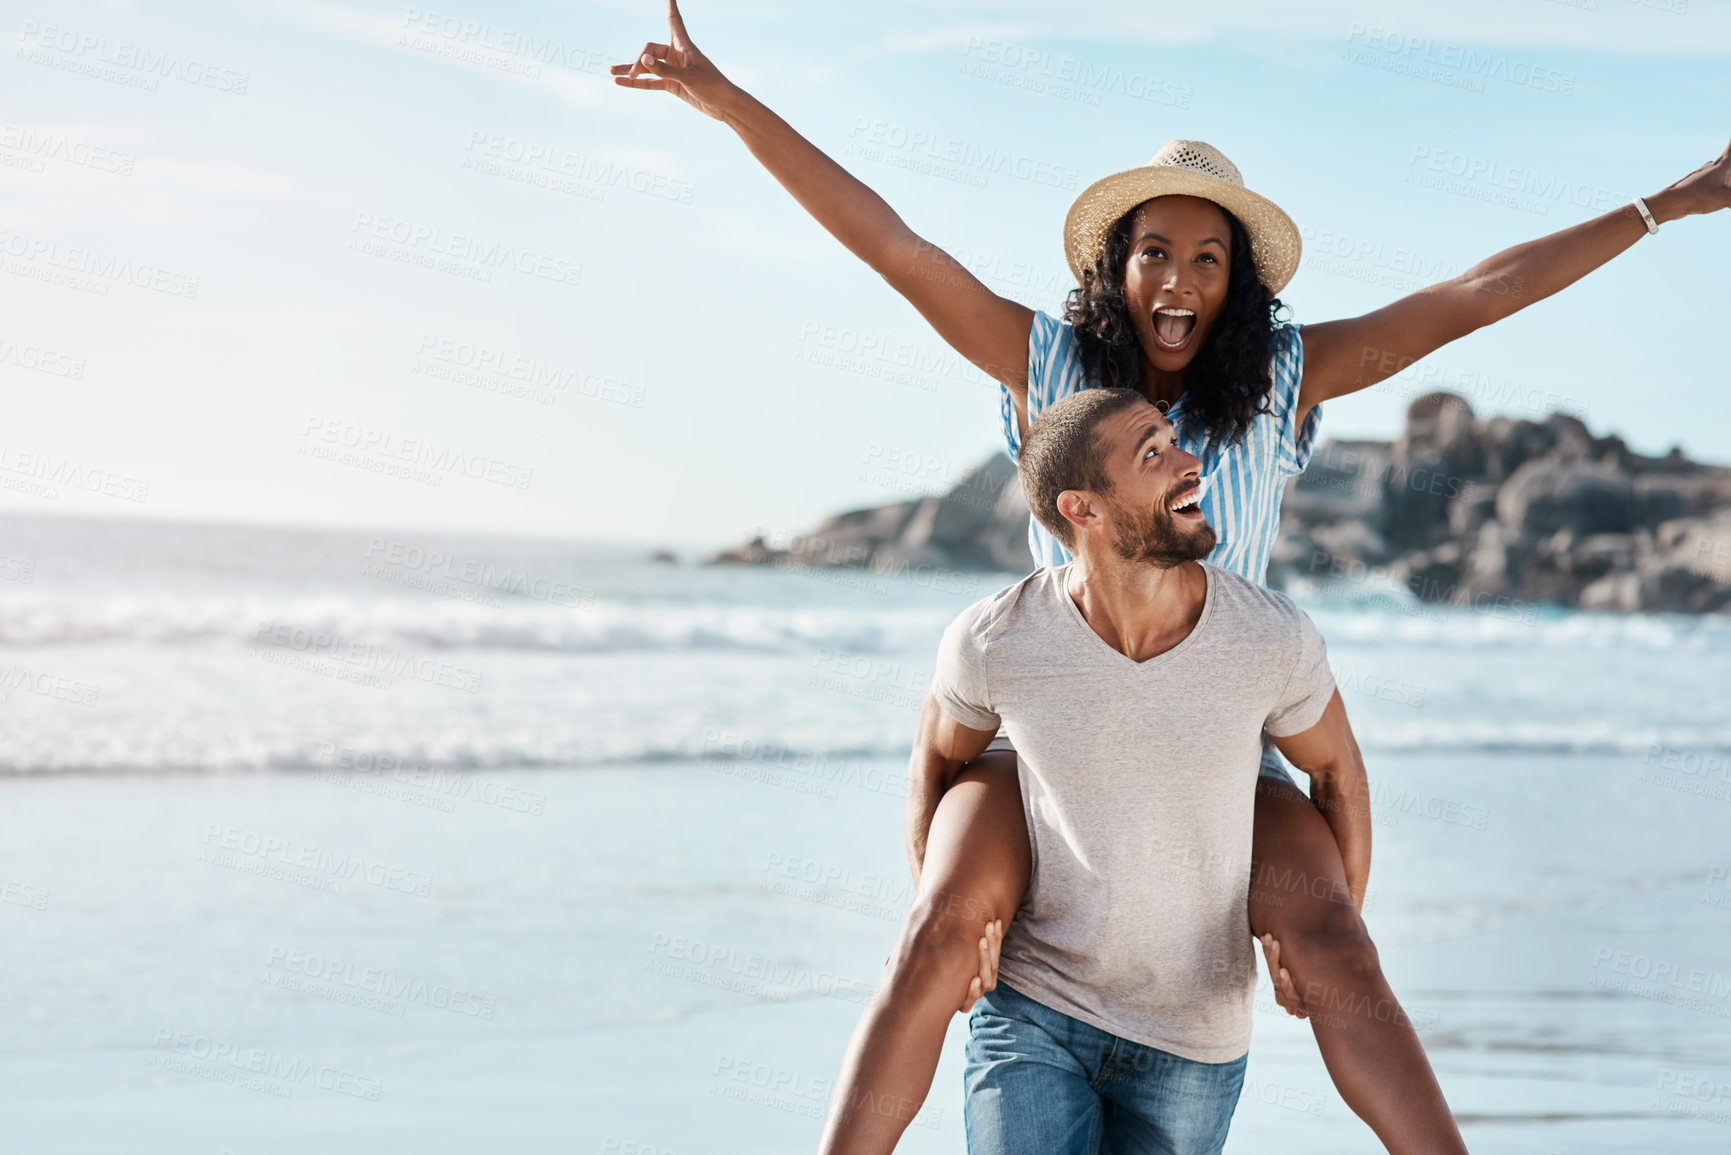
(1692, 573)
(1432, 575)
(1006, 541)
(1547, 495)
(1296, 555)
(1476, 505)
(1704, 546)
(1497, 560)
(1432, 463)
(1509, 443)
(1600, 554)
(956, 526)
(1618, 592)
(1351, 541)
(1343, 480)
(753, 552)
(1569, 437)
(1660, 498)
(848, 539)
(1441, 424)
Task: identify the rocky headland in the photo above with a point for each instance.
(1459, 509)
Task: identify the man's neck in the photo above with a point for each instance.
(1137, 609)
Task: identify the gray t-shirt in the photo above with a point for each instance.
(1139, 781)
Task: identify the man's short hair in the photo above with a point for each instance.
(1062, 452)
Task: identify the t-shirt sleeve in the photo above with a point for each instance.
(1294, 442)
(959, 677)
(1310, 686)
(1050, 354)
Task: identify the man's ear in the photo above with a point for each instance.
(1080, 508)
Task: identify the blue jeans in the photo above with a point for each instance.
(1042, 1083)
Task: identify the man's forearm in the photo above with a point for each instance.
(922, 804)
(929, 775)
(1343, 796)
(1339, 787)
(943, 747)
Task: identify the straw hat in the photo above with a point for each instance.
(1183, 168)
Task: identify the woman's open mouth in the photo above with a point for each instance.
(1173, 328)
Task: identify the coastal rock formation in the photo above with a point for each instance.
(1467, 511)
(1460, 510)
(981, 524)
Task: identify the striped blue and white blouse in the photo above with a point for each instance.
(1245, 478)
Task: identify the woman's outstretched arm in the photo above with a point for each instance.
(989, 330)
(1343, 357)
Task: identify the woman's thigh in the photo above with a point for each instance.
(1297, 878)
(977, 860)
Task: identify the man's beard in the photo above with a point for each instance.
(1153, 537)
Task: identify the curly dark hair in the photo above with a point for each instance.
(1228, 382)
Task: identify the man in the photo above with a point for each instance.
(1135, 683)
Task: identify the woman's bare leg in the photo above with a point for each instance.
(1298, 894)
(975, 873)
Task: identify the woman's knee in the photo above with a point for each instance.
(1329, 937)
(941, 937)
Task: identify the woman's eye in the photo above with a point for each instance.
(1151, 253)
(1209, 257)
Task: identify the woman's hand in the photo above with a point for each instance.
(1706, 190)
(678, 68)
(1285, 992)
(987, 980)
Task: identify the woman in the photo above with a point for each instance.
(1178, 266)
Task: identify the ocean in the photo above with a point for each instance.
(350, 841)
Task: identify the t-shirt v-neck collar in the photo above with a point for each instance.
(1061, 576)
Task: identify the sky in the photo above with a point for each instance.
(387, 265)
